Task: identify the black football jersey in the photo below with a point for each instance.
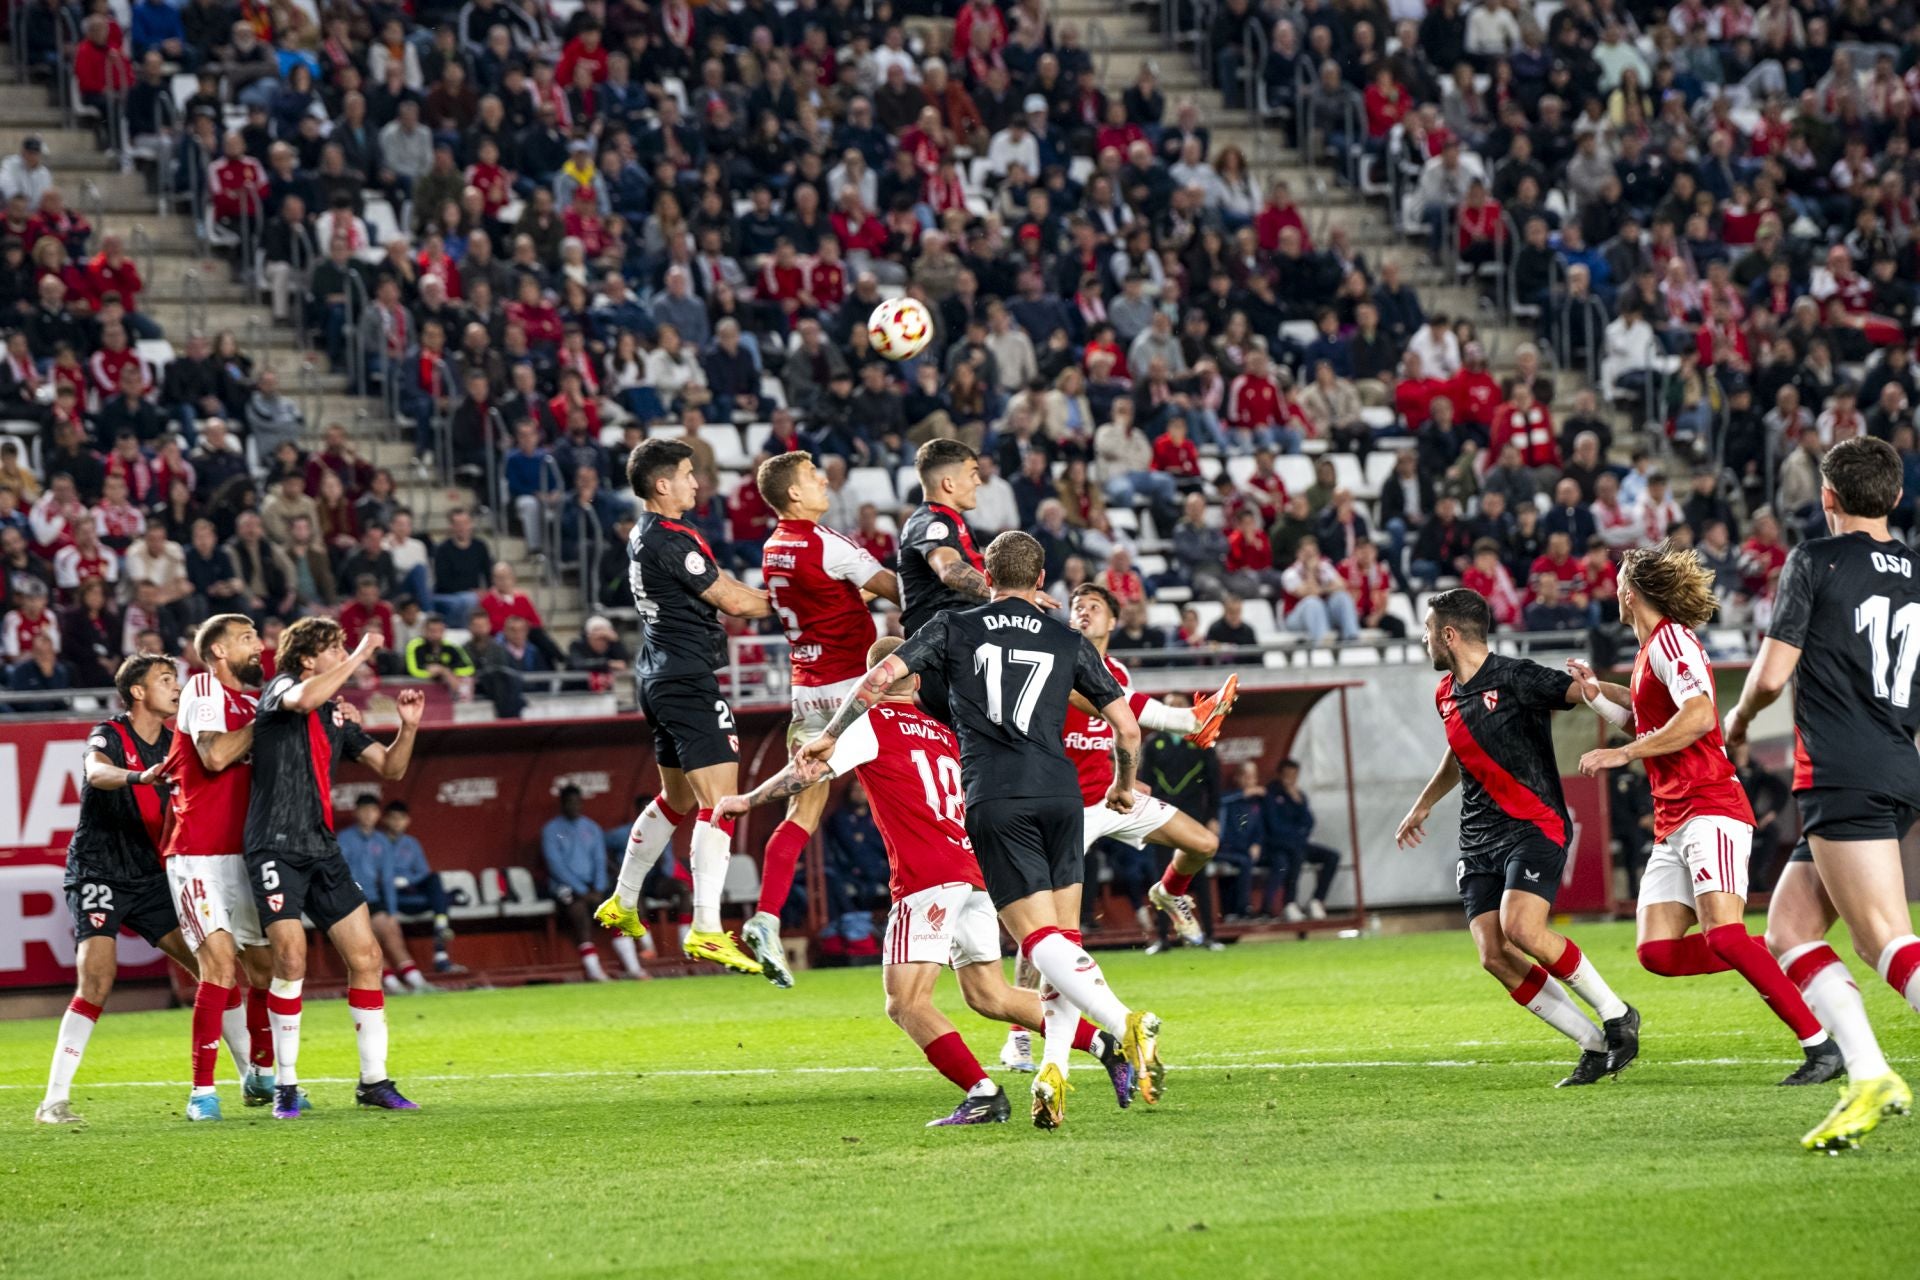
(671, 564)
(115, 837)
(294, 756)
(922, 594)
(1010, 670)
(1851, 605)
(1498, 729)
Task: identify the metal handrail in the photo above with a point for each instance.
(139, 248)
(1099, 46)
(495, 429)
(591, 548)
(305, 393)
(301, 253)
(356, 341)
(193, 300)
(1563, 347)
(66, 33)
(550, 531)
(93, 205)
(1253, 70)
(17, 39)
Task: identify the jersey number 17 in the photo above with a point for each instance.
(1877, 617)
(993, 660)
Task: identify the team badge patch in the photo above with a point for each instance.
(1491, 697)
(695, 564)
(937, 530)
(275, 901)
(98, 919)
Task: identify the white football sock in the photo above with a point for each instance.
(1833, 996)
(1591, 987)
(1019, 1045)
(590, 961)
(412, 976)
(1158, 716)
(712, 847)
(1076, 975)
(629, 954)
(1556, 1008)
(233, 1029)
(651, 834)
(370, 1034)
(1060, 1020)
(1911, 992)
(76, 1027)
(283, 1009)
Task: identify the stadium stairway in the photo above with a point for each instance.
(1120, 39)
(188, 291)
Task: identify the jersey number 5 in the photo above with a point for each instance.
(992, 659)
(1882, 623)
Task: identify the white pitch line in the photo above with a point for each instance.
(1364, 1065)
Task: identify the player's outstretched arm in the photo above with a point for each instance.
(1611, 702)
(218, 750)
(316, 691)
(1766, 681)
(954, 570)
(799, 775)
(884, 584)
(390, 761)
(1126, 753)
(1413, 827)
(731, 596)
(104, 775)
(872, 687)
(1692, 722)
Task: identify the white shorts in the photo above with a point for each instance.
(1704, 855)
(212, 893)
(814, 705)
(1148, 815)
(949, 924)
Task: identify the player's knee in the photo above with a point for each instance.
(1657, 958)
(94, 988)
(901, 1009)
(1206, 844)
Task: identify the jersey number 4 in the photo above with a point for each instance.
(994, 660)
(1883, 624)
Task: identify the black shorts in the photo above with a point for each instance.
(1842, 813)
(692, 724)
(1532, 866)
(933, 696)
(315, 884)
(100, 908)
(1802, 852)
(1028, 845)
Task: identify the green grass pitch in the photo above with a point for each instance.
(1371, 1107)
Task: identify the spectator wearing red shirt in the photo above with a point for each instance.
(504, 600)
(1277, 215)
(749, 521)
(783, 281)
(1176, 455)
(978, 13)
(1387, 105)
(1267, 482)
(1763, 555)
(236, 181)
(1253, 403)
(1414, 394)
(585, 48)
(100, 67)
(1560, 563)
(1490, 578)
(112, 271)
(1121, 578)
(1371, 585)
(877, 542)
(367, 612)
(1529, 428)
(1482, 227)
(1250, 570)
(1600, 581)
(1475, 395)
(827, 275)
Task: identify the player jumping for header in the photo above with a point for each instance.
(679, 591)
(1846, 632)
(1010, 670)
(1514, 829)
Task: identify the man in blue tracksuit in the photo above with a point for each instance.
(369, 855)
(575, 850)
(1244, 822)
(416, 885)
(1290, 828)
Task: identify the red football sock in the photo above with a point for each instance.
(259, 1030)
(777, 865)
(1681, 957)
(1569, 961)
(1175, 881)
(1900, 969)
(1531, 985)
(952, 1059)
(1083, 1036)
(209, 1006)
(1744, 952)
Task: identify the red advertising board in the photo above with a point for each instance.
(479, 795)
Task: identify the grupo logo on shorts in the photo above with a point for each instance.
(468, 793)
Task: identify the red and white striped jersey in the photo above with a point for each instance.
(814, 576)
(1698, 780)
(71, 567)
(909, 765)
(18, 631)
(1089, 739)
(209, 809)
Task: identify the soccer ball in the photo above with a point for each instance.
(900, 328)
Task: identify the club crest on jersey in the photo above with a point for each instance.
(937, 917)
(937, 530)
(696, 564)
(1491, 698)
(275, 901)
(98, 919)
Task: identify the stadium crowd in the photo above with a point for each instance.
(557, 236)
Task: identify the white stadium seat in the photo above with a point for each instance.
(1294, 471)
(872, 484)
(725, 443)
